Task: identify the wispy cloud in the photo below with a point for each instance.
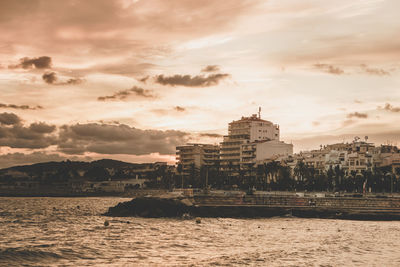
(389, 107)
(123, 94)
(191, 81)
(180, 109)
(211, 68)
(357, 115)
(52, 78)
(329, 68)
(374, 71)
(212, 135)
(13, 106)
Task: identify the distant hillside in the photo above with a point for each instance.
(98, 170)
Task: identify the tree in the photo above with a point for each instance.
(339, 176)
(284, 179)
(97, 173)
(300, 172)
(179, 169)
(330, 174)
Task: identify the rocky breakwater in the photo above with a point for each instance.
(358, 208)
(152, 207)
(186, 207)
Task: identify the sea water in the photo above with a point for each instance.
(71, 232)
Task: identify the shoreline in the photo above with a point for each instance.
(260, 207)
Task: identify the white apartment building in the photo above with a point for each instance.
(258, 152)
(251, 139)
(356, 156)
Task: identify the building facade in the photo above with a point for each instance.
(197, 155)
(249, 140)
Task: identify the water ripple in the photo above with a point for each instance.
(54, 232)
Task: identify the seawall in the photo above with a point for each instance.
(365, 208)
(361, 208)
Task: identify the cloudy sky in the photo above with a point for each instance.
(131, 79)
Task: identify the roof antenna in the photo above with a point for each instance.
(259, 112)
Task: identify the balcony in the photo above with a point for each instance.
(248, 148)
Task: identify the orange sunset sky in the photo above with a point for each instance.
(131, 80)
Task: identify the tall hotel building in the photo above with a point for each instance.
(249, 140)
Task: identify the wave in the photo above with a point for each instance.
(18, 255)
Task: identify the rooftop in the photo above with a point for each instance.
(253, 117)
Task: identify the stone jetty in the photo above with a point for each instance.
(253, 206)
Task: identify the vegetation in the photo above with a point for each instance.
(272, 176)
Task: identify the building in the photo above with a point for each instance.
(250, 140)
(259, 152)
(355, 157)
(197, 155)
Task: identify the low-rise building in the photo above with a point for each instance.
(259, 152)
(197, 155)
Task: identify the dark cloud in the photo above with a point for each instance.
(118, 139)
(180, 109)
(121, 95)
(191, 81)
(329, 69)
(212, 135)
(51, 78)
(13, 134)
(92, 137)
(374, 71)
(42, 127)
(211, 68)
(9, 119)
(37, 63)
(357, 115)
(13, 106)
(389, 107)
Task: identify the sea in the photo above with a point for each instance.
(72, 232)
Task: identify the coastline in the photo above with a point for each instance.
(48, 193)
(356, 208)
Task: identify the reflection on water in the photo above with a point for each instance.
(71, 232)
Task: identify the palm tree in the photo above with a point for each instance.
(300, 172)
(230, 169)
(179, 169)
(260, 176)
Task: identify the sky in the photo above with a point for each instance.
(132, 79)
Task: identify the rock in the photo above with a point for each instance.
(106, 223)
(150, 207)
(198, 220)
